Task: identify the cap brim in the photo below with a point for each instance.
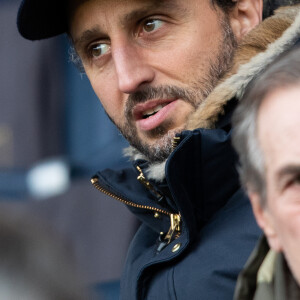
(41, 19)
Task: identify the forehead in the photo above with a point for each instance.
(82, 14)
(278, 127)
(110, 5)
(119, 6)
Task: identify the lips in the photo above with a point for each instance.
(151, 114)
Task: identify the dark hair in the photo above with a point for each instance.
(225, 5)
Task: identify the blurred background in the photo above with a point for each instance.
(54, 135)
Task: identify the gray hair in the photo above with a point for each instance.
(285, 72)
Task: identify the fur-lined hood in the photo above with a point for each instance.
(259, 48)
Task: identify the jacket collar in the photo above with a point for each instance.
(200, 175)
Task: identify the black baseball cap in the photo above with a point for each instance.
(41, 19)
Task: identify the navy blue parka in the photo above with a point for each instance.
(218, 230)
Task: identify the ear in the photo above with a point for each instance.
(265, 221)
(245, 15)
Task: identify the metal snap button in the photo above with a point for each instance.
(176, 247)
(156, 215)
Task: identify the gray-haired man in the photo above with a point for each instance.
(267, 138)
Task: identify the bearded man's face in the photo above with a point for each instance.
(151, 63)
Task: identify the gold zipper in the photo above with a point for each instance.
(175, 219)
(95, 182)
(175, 142)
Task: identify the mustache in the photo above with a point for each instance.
(160, 92)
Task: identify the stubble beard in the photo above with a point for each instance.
(196, 94)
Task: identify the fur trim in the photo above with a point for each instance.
(156, 171)
(259, 48)
(133, 154)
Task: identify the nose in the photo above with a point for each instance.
(131, 68)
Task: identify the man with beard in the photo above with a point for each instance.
(169, 75)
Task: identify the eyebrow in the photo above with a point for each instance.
(86, 36)
(140, 13)
(89, 34)
(288, 170)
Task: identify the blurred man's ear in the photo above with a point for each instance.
(245, 15)
(265, 221)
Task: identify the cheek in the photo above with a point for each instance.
(293, 224)
(107, 92)
(291, 243)
(185, 66)
(177, 59)
(288, 225)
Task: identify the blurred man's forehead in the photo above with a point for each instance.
(278, 128)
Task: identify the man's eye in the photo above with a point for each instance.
(296, 180)
(99, 49)
(151, 25)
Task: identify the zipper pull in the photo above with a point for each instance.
(173, 233)
(174, 230)
(142, 179)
